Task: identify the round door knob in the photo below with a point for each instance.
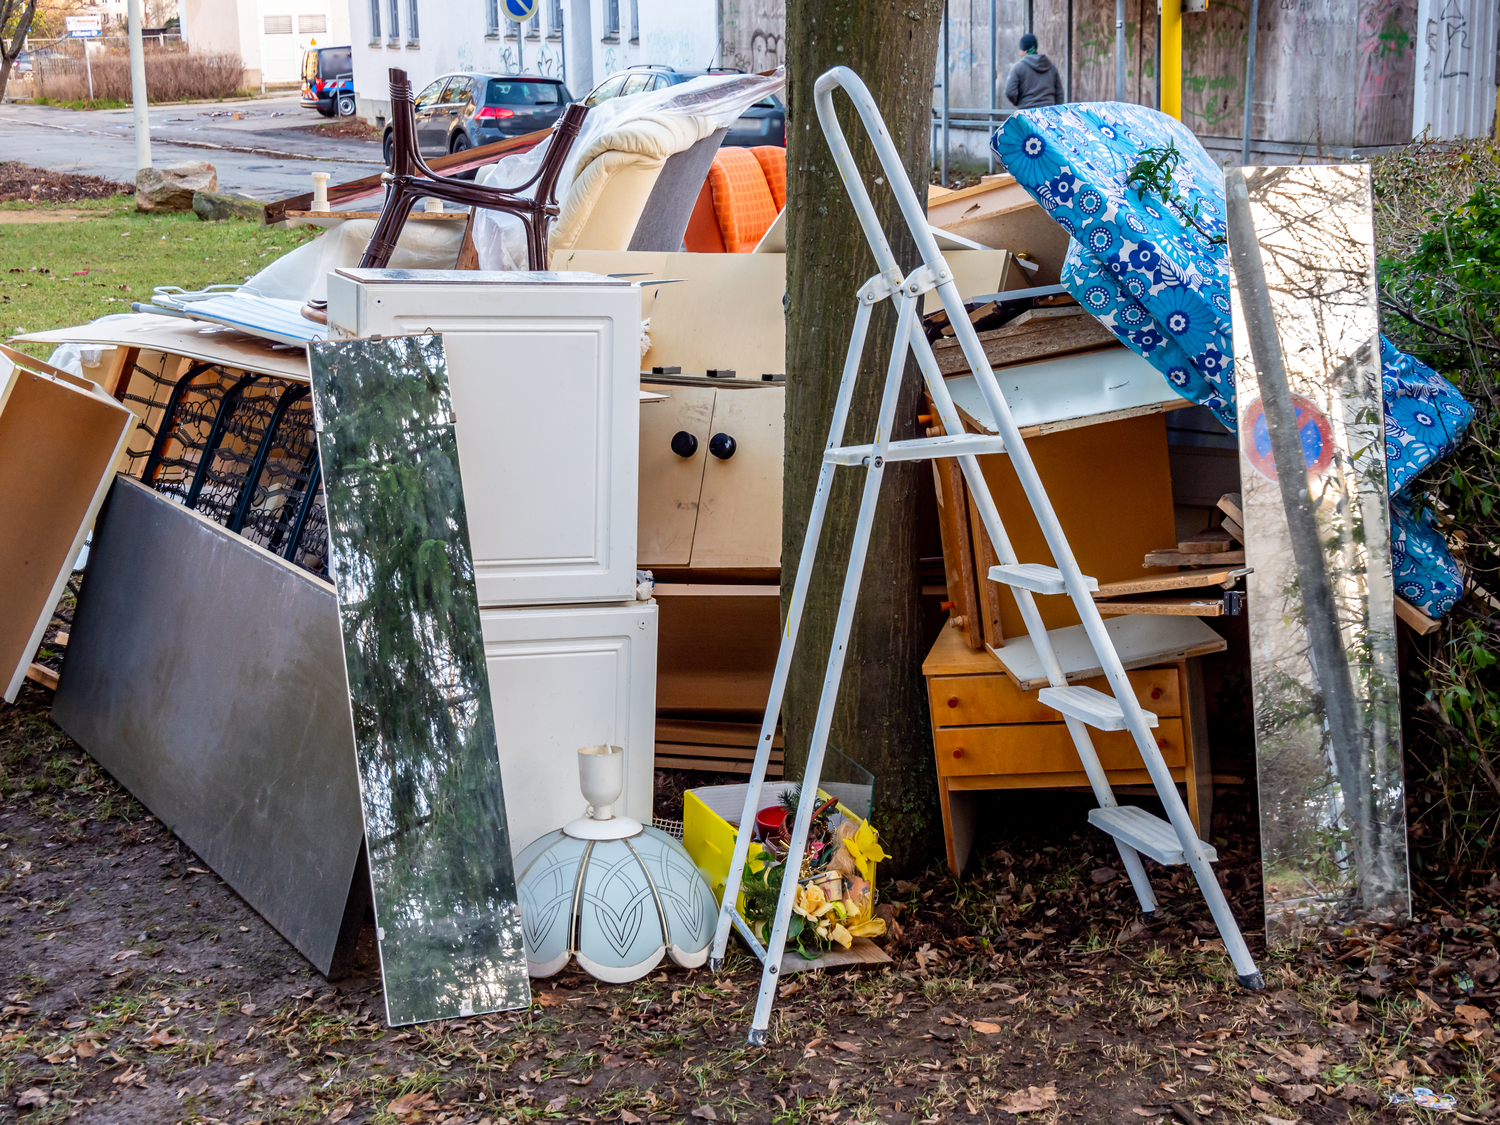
(953, 701)
(722, 446)
(1161, 743)
(1156, 693)
(959, 753)
(684, 444)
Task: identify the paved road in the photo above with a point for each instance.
(264, 155)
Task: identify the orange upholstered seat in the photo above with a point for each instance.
(744, 192)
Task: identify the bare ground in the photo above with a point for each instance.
(137, 987)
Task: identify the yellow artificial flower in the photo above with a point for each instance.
(865, 847)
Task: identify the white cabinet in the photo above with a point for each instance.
(562, 678)
(544, 371)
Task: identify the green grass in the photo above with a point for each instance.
(84, 103)
(42, 285)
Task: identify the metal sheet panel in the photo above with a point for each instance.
(445, 896)
(1458, 50)
(204, 673)
(1321, 601)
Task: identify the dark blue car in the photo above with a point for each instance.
(460, 111)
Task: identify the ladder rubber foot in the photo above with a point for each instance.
(715, 964)
(757, 1036)
(1252, 981)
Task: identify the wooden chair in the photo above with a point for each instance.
(410, 179)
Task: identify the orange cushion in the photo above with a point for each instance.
(702, 235)
(742, 199)
(773, 163)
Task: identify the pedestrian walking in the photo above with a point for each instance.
(1034, 80)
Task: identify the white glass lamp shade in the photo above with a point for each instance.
(618, 905)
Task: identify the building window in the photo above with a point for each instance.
(393, 33)
(312, 25)
(278, 25)
(492, 18)
(374, 21)
(611, 19)
(534, 25)
(635, 21)
(555, 20)
(412, 34)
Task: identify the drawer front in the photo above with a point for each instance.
(1044, 748)
(968, 701)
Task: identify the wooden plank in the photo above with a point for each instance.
(1232, 526)
(1212, 542)
(708, 765)
(990, 593)
(712, 733)
(1177, 558)
(1187, 607)
(1029, 432)
(1139, 640)
(1414, 617)
(450, 165)
(958, 543)
(1033, 335)
(862, 952)
(44, 676)
(1232, 504)
(950, 655)
(1182, 580)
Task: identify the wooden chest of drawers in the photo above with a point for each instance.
(989, 734)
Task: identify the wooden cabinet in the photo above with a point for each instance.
(710, 472)
(989, 734)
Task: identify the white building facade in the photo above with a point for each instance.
(269, 35)
(581, 42)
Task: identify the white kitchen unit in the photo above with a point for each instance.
(545, 377)
(562, 677)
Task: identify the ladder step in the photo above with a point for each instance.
(919, 449)
(1036, 577)
(1103, 712)
(1147, 834)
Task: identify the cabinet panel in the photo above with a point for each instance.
(561, 679)
(670, 483)
(973, 700)
(739, 517)
(1043, 748)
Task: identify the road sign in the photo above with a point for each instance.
(518, 11)
(84, 27)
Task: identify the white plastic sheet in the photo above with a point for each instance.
(302, 274)
(500, 239)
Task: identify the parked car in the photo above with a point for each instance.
(763, 123)
(328, 81)
(461, 111)
(26, 61)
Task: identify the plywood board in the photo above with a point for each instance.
(60, 440)
(211, 343)
(1140, 641)
(716, 654)
(1112, 492)
(739, 515)
(670, 484)
(1148, 603)
(1182, 580)
(1032, 336)
(1083, 386)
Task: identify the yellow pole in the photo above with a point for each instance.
(1171, 58)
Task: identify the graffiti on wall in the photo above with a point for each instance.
(751, 34)
(541, 57)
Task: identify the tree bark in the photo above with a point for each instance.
(881, 721)
(22, 13)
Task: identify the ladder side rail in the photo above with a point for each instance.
(868, 298)
(989, 516)
(837, 651)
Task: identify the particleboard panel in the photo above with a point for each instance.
(739, 513)
(863, 951)
(670, 485)
(716, 654)
(1112, 491)
(60, 439)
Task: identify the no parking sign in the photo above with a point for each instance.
(1313, 431)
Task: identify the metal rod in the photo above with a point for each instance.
(1068, 54)
(262, 453)
(994, 75)
(1170, 44)
(947, 73)
(138, 87)
(1119, 50)
(1029, 17)
(1249, 83)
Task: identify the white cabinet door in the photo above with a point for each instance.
(672, 471)
(545, 382)
(739, 515)
(562, 679)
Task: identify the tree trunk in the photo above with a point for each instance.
(23, 14)
(881, 721)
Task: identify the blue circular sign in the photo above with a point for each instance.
(1313, 430)
(518, 11)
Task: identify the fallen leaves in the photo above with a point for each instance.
(162, 1038)
(32, 1098)
(338, 1113)
(556, 1104)
(1033, 1099)
(125, 954)
(985, 1028)
(705, 1113)
(849, 1045)
(413, 1103)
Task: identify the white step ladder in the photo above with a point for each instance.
(1134, 830)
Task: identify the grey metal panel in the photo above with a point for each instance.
(206, 675)
(664, 221)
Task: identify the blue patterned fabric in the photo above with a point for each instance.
(1161, 284)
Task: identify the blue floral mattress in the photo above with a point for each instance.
(1162, 286)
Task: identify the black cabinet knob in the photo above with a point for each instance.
(684, 444)
(722, 446)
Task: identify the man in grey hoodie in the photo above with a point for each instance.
(1034, 80)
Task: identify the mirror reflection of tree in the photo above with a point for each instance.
(429, 768)
(1333, 828)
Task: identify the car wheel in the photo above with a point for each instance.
(346, 105)
(388, 148)
(459, 142)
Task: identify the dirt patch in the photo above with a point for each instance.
(49, 216)
(347, 130)
(40, 185)
(138, 988)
